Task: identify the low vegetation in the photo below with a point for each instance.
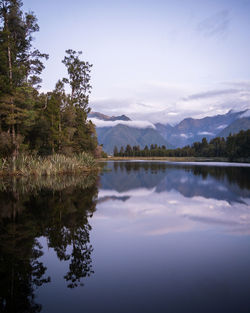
(56, 164)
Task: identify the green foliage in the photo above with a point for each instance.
(104, 154)
(61, 125)
(34, 122)
(20, 67)
(234, 147)
(79, 79)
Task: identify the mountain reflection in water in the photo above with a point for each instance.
(142, 237)
(173, 197)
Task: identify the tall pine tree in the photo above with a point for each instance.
(20, 67)
(84, 136)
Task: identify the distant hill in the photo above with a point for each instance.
(184, 133)
(122, 135)
(190, 130)
(235, 127)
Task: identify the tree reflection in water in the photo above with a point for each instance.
(149, 174)
(59, 214)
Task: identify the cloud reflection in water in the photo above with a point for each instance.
(183, 199)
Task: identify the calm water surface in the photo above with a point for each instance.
(141, 237)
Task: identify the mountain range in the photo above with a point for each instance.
(189, 130)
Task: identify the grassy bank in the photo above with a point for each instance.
(177, 159)
(57, 164)
(26, 184)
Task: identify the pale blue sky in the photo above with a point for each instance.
(152, 56)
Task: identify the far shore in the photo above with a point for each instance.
(175, 159)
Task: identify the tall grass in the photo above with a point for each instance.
(26, 165)
(26, 184)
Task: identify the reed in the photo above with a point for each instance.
(57, 164)
(22, 185)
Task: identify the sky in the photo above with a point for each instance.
(154, 60)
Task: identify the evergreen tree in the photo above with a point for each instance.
(115, 151)
(84, 136)
(121, 153)
(128, 150)
(55, 122)
(55, 101)
(20, 66)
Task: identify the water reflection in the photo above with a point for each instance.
(161, 198)
(163, 238)
(32, 210)
(131, 175)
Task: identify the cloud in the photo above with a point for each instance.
(213, 221)
(111, 106)
(127, 106)
(222, 126)
(186, 135)
(206, 133)
(208, 103)
(214, 102)
(149, 98)
(164, 103)
(238, 85)
(215, 25)
(211, 94)
(173, 113)
(134, 124)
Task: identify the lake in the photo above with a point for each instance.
(140, 237)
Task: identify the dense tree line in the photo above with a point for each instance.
(233, 147)
(32, 121)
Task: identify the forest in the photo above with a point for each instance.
(37, 124)
(34, 122)
(234, 147)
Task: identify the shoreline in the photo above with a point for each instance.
(177, 159)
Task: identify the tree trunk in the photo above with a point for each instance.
(60, 132)
(12, 126)
(12, 110)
